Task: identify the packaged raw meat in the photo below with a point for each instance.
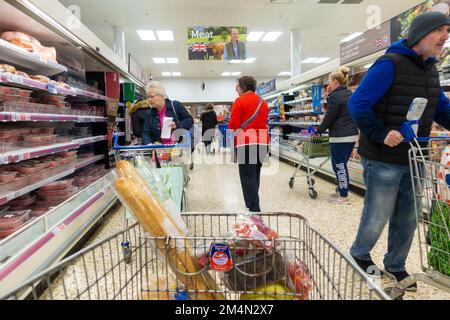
(58, 185)
(48, 53)
(25, 93)
(59, 198)
(22, 40)
(6, 187)
(10, 219)
(23, 201)
(254, 229)
(7, 176)
(7, 232)
(10, 90)
(299, 278)
(48, 131)
(68, 154)
(56, 193)
(5, 134)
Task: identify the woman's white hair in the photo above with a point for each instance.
(158, 87)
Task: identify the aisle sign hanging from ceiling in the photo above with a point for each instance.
(217, 43)
(266, 87)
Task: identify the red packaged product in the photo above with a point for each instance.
(25, 93)
(27, 169)
(58, 185)
(55, 193)
(5, 134)
(48, 131)
(8, 176)
(22, 201)
(9, 219)
(68, 154)
(7, 232)
(10, 90)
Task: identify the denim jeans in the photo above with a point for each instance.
(389, 198)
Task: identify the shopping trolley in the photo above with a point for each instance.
(100, 272)
(313, 147)
(159, 156)
(430, 177)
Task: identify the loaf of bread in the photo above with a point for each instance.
(155, 220)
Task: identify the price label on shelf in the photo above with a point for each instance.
(52, 88)
(14, 78)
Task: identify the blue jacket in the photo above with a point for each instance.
(152, 127)
(374, 87)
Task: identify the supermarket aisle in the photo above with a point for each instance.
(216, 188)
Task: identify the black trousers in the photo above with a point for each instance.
(250, 159)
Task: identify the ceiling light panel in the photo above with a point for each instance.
(271, 36)
(159, 60)
(284, 73)
(172, 60)
(254, 35)
(236, 74)
(165, 35)
(226, 74)
(166, 74)
(351, 37)
(176, 74)
(310, 60)
(146, 35)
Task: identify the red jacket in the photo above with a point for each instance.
(256, 132)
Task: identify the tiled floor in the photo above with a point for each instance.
(216, 188)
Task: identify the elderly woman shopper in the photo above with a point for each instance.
(163, 107)
(249, 115)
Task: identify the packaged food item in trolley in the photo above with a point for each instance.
(273, 291)
(254, 229)
(13, 219)
(299, 277)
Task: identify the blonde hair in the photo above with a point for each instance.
(341, 75)
(158, 87)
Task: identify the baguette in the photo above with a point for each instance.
(154, 218)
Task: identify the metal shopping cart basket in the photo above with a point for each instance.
(430, 174)
(100, 272)
(313, 147)
(172, 162)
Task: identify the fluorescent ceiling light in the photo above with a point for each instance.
(351, 37)
(172, 60)
(254, 35)
(284, 73)
(236, 73)
(249, 60)
(310, 60)
(271, 36)
(226, 74)
(159, 60)
(235, 61)
(321, 60)
(176, 74)
(146, 35)
(166, 74)
(165, 35)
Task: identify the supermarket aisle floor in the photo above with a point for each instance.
(216, 188)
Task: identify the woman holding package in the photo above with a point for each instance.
(163, 108)
(343, 132)
(249, 116)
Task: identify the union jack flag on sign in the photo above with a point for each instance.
(199, 47)
(380, 42)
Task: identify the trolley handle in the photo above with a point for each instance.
(410, 136)
(117, 147)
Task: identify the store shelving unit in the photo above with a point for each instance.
(45, 240)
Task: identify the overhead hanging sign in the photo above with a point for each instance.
(267, 87)
(366, 44)
(217, 43)
(135, 69)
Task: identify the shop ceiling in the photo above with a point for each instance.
(323, 25)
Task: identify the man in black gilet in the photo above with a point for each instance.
(379, 107)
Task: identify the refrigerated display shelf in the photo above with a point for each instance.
(28, 61)
(29, 153)
(17, 116)
(5, 198)
(298, 101)
(90, 140)
(295, 124)
(19, 81)
(81, 163)
(303, 112)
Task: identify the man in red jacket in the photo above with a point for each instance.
(249, 116)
